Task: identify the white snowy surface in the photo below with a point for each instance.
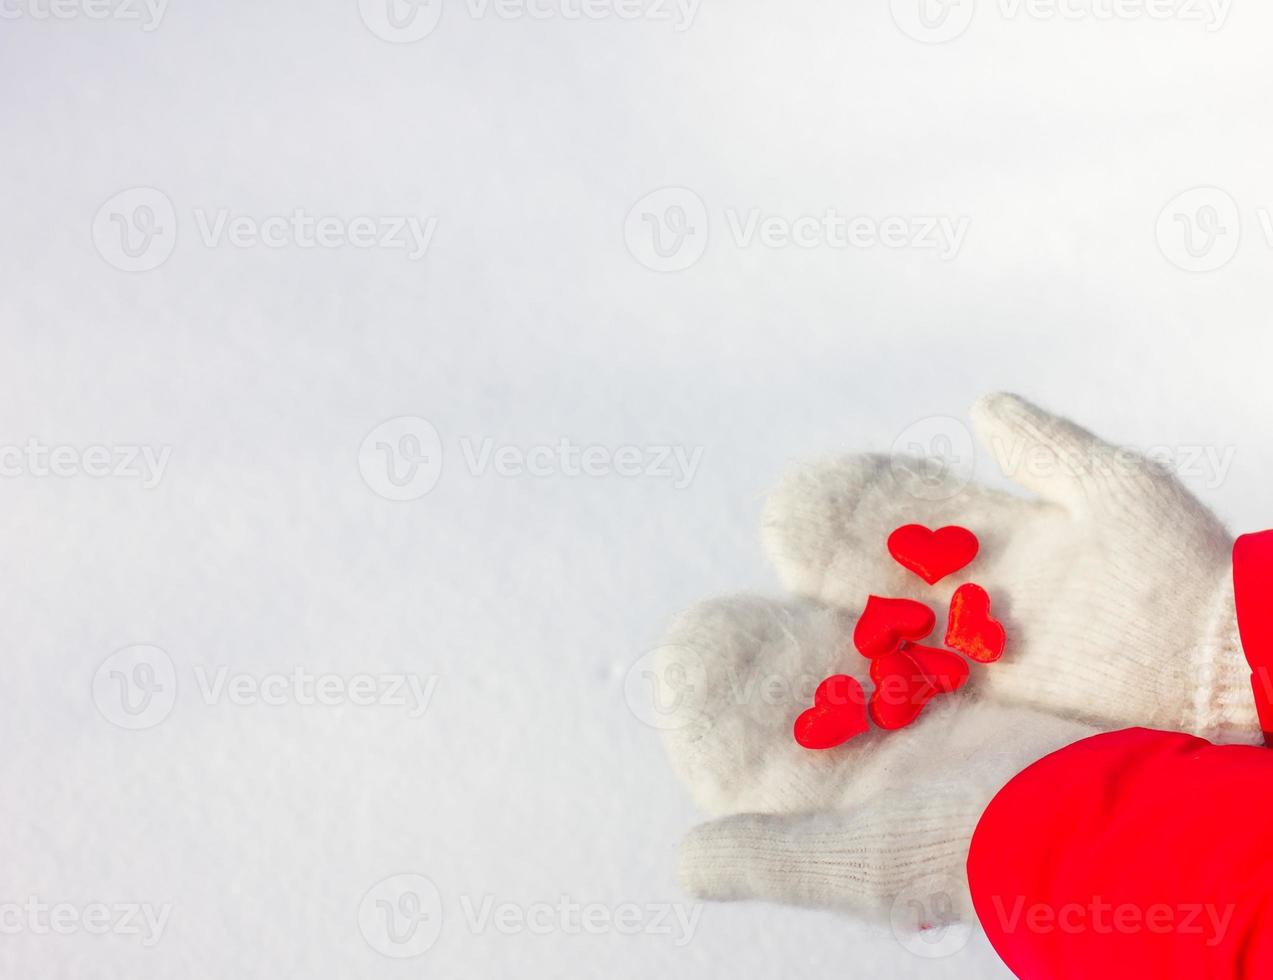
(262, 549)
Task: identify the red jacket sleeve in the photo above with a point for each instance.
(1130, 855)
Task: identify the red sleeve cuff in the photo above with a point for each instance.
(1253, 599)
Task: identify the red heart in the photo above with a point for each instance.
(905, 681)
(932, 555)
(971, 629)
(837, 715)
(901, 691)
(885, 623)
(946, 671)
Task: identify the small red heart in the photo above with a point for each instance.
(901, 691)
(932, 555)
(885, 623)
(907, 680)
(971, 629)
(946, 671)
(838, 714)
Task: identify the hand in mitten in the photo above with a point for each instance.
(1113, 584)
(883, 818)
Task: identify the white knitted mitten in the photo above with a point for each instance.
(1115, 591)
(1114, 586)
(879, 826)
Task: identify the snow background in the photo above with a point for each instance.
(528, 599)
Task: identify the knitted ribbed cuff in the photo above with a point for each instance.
(1223, 703)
